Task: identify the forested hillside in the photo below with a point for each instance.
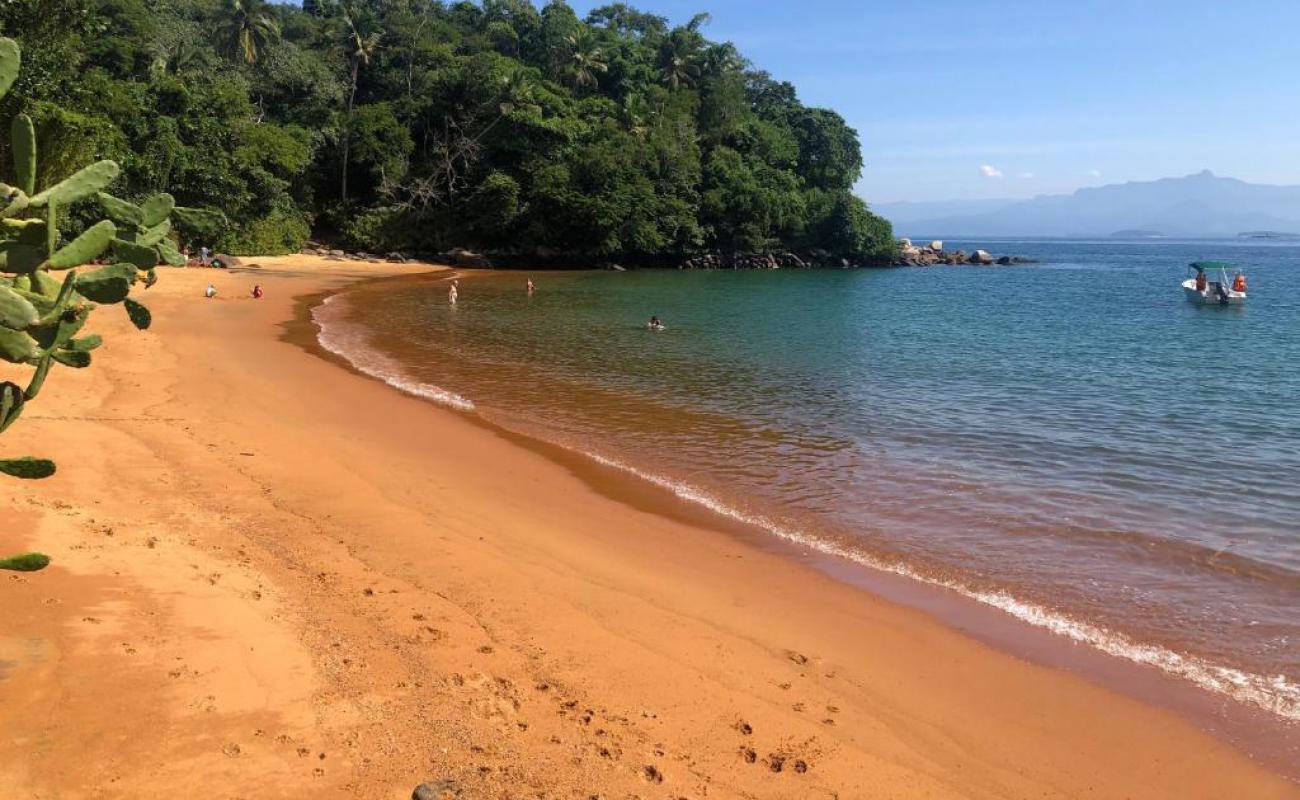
(412, 124)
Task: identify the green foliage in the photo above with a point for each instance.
(395, 124)
(283, 230)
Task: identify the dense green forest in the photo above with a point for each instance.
(420, 125)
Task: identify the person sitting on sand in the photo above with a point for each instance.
(257, 292)
(210, 292)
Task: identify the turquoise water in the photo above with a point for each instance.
(1070, 442)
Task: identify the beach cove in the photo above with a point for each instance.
(283, 579)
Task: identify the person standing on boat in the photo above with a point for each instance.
(1201, 281)
(1239, 283)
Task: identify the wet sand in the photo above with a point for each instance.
(276, 578)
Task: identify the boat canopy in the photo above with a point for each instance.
(1205, 266)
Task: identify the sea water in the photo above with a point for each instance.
(1070, 442)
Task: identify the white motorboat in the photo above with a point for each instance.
(1200, 289)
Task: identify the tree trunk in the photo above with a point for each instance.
(347, 132)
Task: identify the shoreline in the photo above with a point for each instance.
(287, 523)
(1038, 634)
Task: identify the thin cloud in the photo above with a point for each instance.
(1094, 173)
(1026, 175)
(990, 171)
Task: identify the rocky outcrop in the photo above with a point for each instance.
(763, 261)
(909, 254)
(460, 257)
(933, 254)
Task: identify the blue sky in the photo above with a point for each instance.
(1046, 96)
(1013, 98)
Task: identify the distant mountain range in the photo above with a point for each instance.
(1200, 205)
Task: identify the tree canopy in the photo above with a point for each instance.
(424, 125)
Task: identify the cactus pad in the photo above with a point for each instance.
(139, 314)
(108, 284)
(120, 210)
(30, 469)
(138, 255)
(16, 312)
(10, 59)
(23, 141)
(16, 347)
(11, 403)
(85, 183)
(72, 358)
(155, 210)
(18, 257)
(27, 562)
(85, 247)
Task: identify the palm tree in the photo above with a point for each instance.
(359, 46)
(247, 28)
(720, 58)
(585, 61)
(518, 92)
(679, 59)
(176, 58)
(636, 115)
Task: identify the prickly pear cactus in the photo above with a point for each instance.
(45, 296)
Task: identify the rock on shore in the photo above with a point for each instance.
(933, 254)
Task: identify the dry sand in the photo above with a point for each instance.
(274, 578)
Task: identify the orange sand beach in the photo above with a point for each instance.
(275, 578)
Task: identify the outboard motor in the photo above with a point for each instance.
(1221, 293)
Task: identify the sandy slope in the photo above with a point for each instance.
(274, 578)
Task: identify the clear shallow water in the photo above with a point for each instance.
(1071, 442)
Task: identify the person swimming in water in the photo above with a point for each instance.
(655, 324)
(453, 294)
(532, 287)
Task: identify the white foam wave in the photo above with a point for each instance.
(351, 345)
(1275, 694)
